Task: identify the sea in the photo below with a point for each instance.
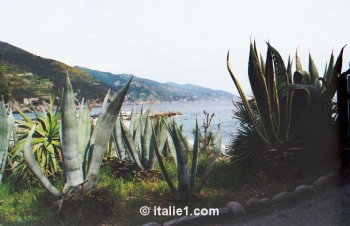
(190, 110)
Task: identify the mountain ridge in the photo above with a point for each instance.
(150, 90)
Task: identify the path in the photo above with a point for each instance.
(331, 208)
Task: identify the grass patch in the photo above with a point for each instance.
(118, 199)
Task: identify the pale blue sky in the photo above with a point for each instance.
(183, 41)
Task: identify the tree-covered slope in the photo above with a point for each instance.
(17, 61)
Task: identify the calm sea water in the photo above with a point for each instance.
(221, 109)
(222, 115)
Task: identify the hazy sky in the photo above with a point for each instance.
(183, 41)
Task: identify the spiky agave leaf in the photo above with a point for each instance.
(282, 83)
(260, 92)
(118, 139)
(313, 71)
(270, 78)
(195, 156)
(332, 80)
(130, 146)
(162, 167)
(259, 131)
(84, 125)
(102, 133)
(71, 153)
(182, 160)
(146, 133)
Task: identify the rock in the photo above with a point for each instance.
(236, 208)
(304, 191)
(26, 110)
(325, 181)
(282, 198)
(253, 205)
(332, 177)
(320, 183)
(151, 224)
(265, 202)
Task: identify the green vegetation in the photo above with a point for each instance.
(187, 181)
(75, 143)
(45, 144)
(18, 61)
(289, 112)
(30, 87)
(287, 125)
(137, 140)
(4, 85)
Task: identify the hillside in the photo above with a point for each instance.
(33, 76)
(18, 61)
(149, 90)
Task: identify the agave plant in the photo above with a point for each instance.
(7, 123)
(187, 180)
(45, 142)
(135, 141)
(285, 103)
(75, 142)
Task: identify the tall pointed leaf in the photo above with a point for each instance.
(282, 83)
(102, 133)
(313, 70)
(260, 132)
(72, 159)
(162, 167)
(333, 80)
(195, 156)
(130, 146)
(259, 88)
(298, 62)
(182, 161)
(84, 125)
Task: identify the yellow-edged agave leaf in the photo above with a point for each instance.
(261, 95)
(270, 78)
(261, 133)
(282, 83)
